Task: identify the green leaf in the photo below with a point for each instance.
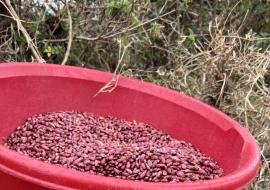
(49, 50)
(191, 37)
(118, 5)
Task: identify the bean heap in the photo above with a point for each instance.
(111, 147)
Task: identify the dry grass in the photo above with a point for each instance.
(229, 73)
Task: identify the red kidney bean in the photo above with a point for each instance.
(112, 147)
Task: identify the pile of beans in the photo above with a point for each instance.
(111, 147)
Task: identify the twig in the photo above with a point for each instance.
(243, 23)
(8, 52)
(56, 40)
(23, 21)
(248, 39)
(128, 29)
(112, 84)
(70, 37)
(163, 7)
(87, 38)
(228, 16)
(222, 89)
(30, 42)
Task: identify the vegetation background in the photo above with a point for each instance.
(214, 50)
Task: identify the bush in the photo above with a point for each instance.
(216, 51)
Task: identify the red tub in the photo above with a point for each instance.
(27, 89)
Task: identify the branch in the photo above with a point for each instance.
(128, 29)
(70, 36)
(30, 42)
(112, 84)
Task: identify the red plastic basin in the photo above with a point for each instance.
(27, 89)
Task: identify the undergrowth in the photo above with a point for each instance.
(216, 51)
